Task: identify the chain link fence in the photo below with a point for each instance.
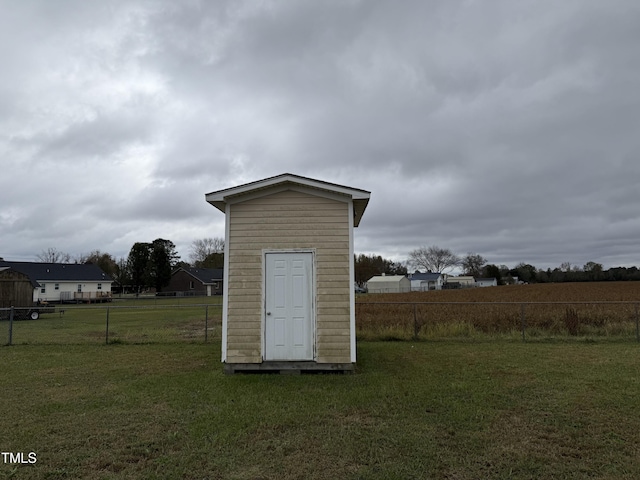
(525, 320)
(131, 323)
(134, 322)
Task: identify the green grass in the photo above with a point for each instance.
(450, 410)
(141, 321)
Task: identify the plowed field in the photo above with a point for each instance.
(572, 309)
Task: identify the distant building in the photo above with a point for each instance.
(388, 284)
(65, 282)
(421, 282)
(486, 282)
(195, 281)
(463, 281)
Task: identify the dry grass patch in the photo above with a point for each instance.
(547, 310)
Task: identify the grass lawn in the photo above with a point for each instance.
(448, 409)
(140, 321)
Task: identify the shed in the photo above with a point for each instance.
(389, 284)
(16, 288)
(191, 281)
(487, 282)
(462, 281)
(288, 301)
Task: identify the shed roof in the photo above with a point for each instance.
(387, 278)
(360, 198)
(461, 279)
(71, 272)
(8, 271)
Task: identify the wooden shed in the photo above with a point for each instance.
(289, 302)
(16, 289)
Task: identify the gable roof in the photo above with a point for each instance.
(204, 275)
(7, 271)
(386, 278)
(63, 272)
(461, 279)
(360, 198)
(425, 276)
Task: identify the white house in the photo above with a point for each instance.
(421, 282)
(486, 282)
(65, 282)
(388, 284)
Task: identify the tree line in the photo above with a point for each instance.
(150, 264)
(438, 260)
(435, 259)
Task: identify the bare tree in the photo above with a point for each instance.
(53, 255)
(105, 261)
(433, 259)
(565, 266)
(201, 249)
(472, 264)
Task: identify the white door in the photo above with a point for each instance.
(288, 306)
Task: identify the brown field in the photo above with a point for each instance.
(598, 309)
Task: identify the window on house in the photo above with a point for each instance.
(79, 288)
(43, 288)
(56, 286)
(99, 286)
(192, 285)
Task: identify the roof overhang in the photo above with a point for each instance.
(360, 198)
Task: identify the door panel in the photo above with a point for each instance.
(288, 307)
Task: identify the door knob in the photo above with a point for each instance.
(268, 313)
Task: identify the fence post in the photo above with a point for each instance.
(637, 325)
(523, 321)
(416, 327)
(106, 336)
(206, 323)
(11, 313)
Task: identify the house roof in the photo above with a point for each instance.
(360, 198)
(425, 276)
(69, 272)
(204, 275)
(7, 270)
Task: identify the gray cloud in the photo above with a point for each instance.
(507, 129)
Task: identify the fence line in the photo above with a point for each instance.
(604, 318)
(200, 322)
(79, 324)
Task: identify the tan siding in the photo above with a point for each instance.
(243, 356)
(247, 304)
(242, 328)
(333, 321)
(333, 332)
(245, 339)
(288, 220)
(327, 311)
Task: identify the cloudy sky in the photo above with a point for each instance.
(505, 128)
